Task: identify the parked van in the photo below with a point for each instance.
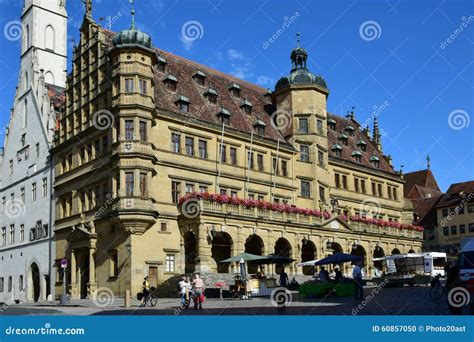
(465, 263)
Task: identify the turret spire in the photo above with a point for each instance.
(376, 135)
(132, 12)
(428, 161)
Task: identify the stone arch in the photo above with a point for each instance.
(378, 265)
(254, 245)
(221, 249)
(189, 252)
(308, 253)
(34, 282)
(49, 38)
(411, 251)
(283, 248)
(396, 251)
(359, 250)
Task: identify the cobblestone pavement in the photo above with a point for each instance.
(389, 301)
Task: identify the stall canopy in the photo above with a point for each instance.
(245, 257)
(273, 259)
(337, 258)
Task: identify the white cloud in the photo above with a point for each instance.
(235, 55)
(265, 81)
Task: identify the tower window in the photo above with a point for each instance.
(303, 125)
(129, 85)
(304, 153)
(143, 85)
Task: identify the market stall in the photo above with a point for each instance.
(261, 284)
(317, 288)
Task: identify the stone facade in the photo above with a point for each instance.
(26, 213)
(143, 127)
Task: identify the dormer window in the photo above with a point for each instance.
(350, 130)
(224, 115)
(357, 155)
(200, 78)
(171, 83)
(343, 139)
(362, 145)
(234, 89)
(260, 127)
(246, 106)
(268, 95)
(161, 65)
(211, 95)
(375, 161)
(337, 150)
(332, 124)
(183, 104)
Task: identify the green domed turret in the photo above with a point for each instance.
(300, 75)
(132, 36)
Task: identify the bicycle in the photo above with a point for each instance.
(151, 299)
(436, 289)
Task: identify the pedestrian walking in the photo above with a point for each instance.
(358, 286)
(198, 288)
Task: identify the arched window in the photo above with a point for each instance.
(27, 45)
(25, 113)
(49, 77)
(49, 38)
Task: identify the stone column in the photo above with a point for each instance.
(73, 285)
(92, 282)
(204, 254)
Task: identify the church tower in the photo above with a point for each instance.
(44, 43)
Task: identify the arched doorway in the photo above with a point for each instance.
(395, 251)
(378, 265)
(359, 251)
(283, 248)
(34, 283)
(411, 251)
(308, 253)
(254, 245)
(189, 253)
(221, 249)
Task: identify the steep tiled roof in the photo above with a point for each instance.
(352, 144)
(424, 179)
(262, 108)
(456, 193)
(423, 209)
(57, 95)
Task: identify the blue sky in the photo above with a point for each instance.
(387, 58)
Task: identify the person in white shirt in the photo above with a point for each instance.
(185, 288)
(357, 276)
